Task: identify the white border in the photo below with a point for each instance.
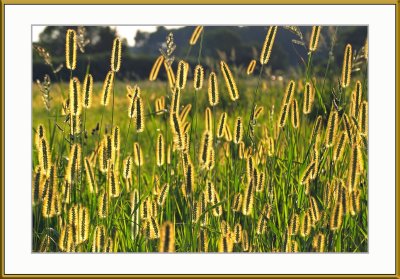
(381, 256)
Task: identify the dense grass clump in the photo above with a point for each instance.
(217, 158)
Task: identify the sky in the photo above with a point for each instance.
(128, 32)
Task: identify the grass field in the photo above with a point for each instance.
(284, 170)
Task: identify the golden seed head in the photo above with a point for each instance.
(116, 55)
(75, 101)
(160, 153)
(221, 125)
(294, 224)
(308, 98)
(198, 77)
(237, 202)
(167, 239)
(213, 94)
(248, 200)
(229, 81)
(331, 128)
(251, 67)
(287, 100)
(87, 91)
(70, 49)
(102, 209)
(268, 44)
(319, 242)
(314, 38)
(195, 35)
(305, 228)
(107, 88)
(90, 176)
(295, 114)
(139, 116)
(181, 74)
(347, 66)
(238, 134)
(156, 68)
(363, 119)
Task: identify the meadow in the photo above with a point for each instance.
(214, 158)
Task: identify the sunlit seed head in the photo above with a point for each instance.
(213, 93)
(40, 134)
(348, 127)
(294, 224)
(229, 81)
(341, 141)
(167, 238)
(217, 211)
(363, 118)
(208, 120)
(336, 216)
(75, 96)
(175, 101)
(160, 152)
(90, 176)
(268, 44)
(74, 164)
(102, 208)
(346, 67)
(44, 156)
(114, 188)
(316, 128)
(295, 114)
(195, 35)
(245, 241)
(198, 77)
(70, 49)
(238, 133)
(316, 30)
(210, 192)
(331, 128)
(203, 240)
(87, 91)
(305, 228)
(355, 206)
(107, 88)
(314, 210)
(116, 55)
(205, 148)
(225, 244)
(308, 98)
(248, 199)
(163, 194)
(181, 75)
(307, 174)
(353, 178)
(251, 67)
(237, 202)
(156, 68)
(139, 117)
(319, 242)
(221, 125)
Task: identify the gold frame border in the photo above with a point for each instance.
(226, 2)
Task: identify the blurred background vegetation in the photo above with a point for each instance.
(238, 45)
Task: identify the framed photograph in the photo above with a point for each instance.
(225, 139)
